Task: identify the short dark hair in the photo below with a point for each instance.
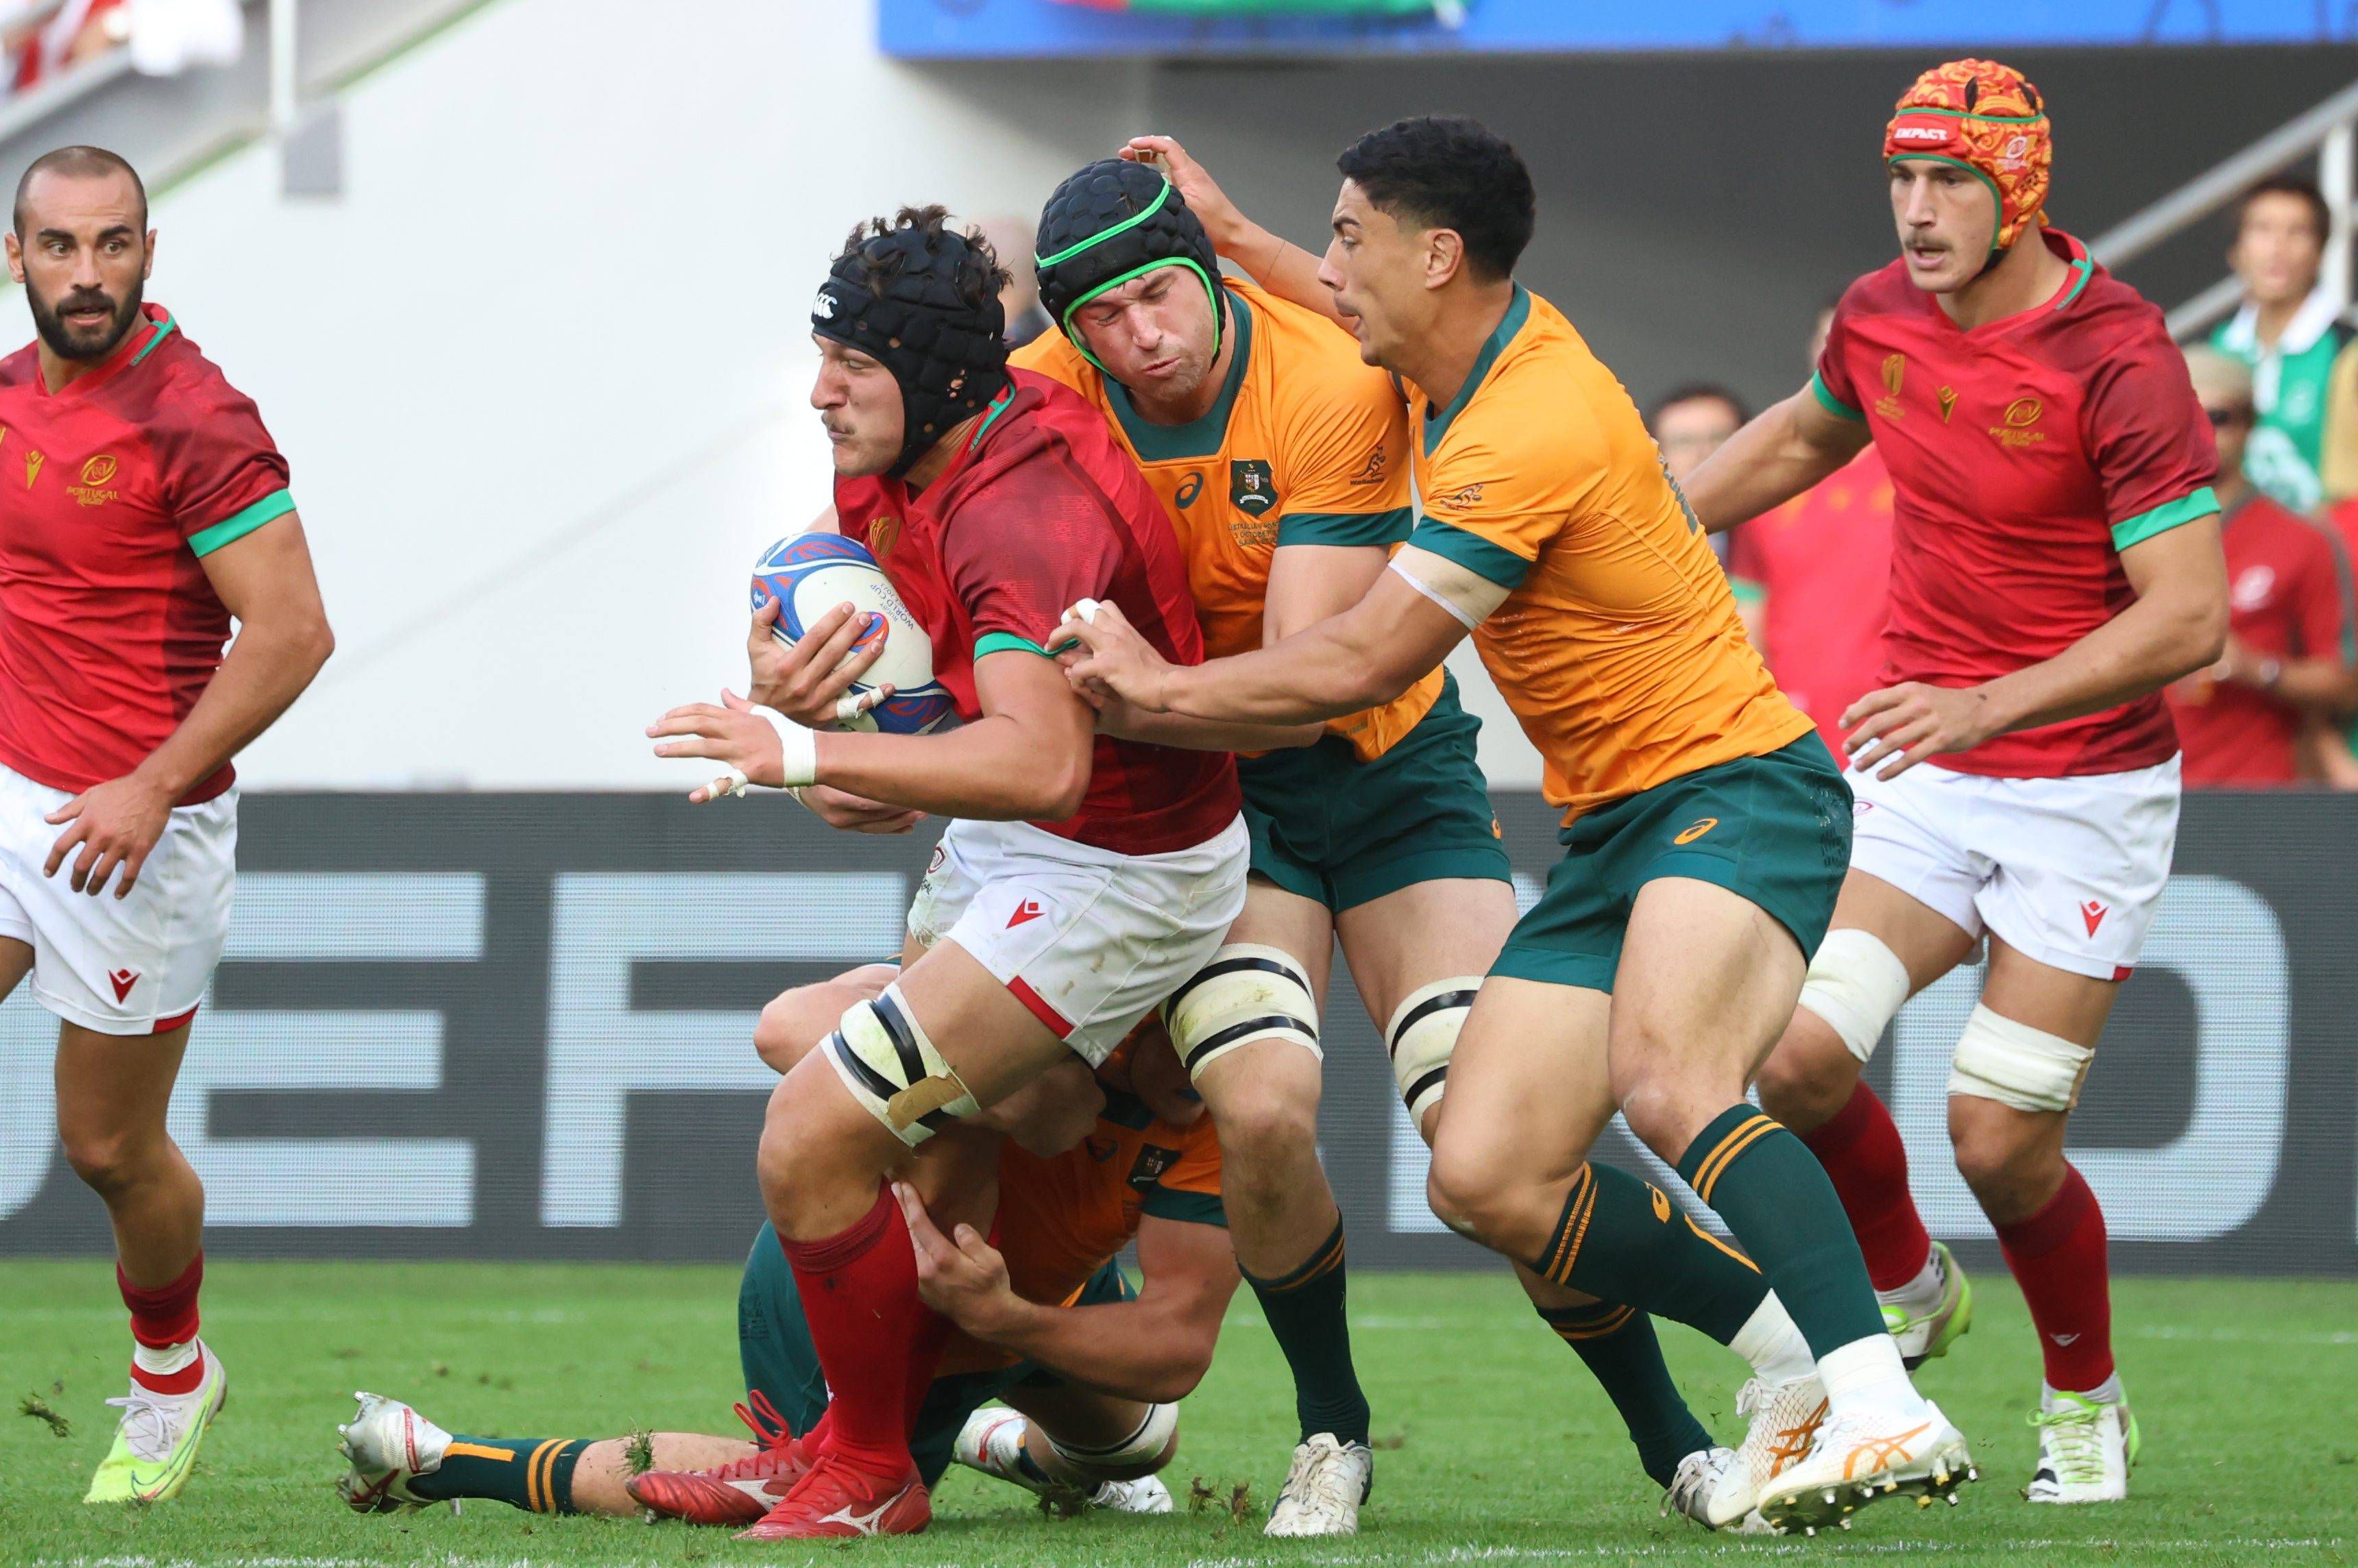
(79, 163)
(979, 276)
(1697, 392)
(1446, 171)
(2300, 189)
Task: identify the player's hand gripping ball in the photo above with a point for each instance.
(870, 668)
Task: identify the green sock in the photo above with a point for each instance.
(533, 1473)
(1617, 1344)
(1305, 1309)
(1623, 1240)
(1777, 1199)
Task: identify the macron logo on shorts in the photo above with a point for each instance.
(2093, 914)
(1030, 910)
(122, 980)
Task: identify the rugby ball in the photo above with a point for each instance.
(810, 574)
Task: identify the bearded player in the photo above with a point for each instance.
(148, 507)
(1706, 825)
(1084, 879)
(1091, 1369)
(2056, 562)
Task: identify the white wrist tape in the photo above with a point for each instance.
(797, 747)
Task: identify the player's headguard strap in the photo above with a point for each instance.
(1105, 225)
(1987, 119)
(894, 296)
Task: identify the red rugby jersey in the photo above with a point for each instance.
(2025, 455)
(2288, 598)
(111, 492)
(1822, 562)
(1039, 509)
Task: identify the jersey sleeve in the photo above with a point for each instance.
(2323, 607)
(2149, 439)
(1021, 552)
(223, 474)
(1747, 573)
(1189, 1189)
(1831, 382)
(1348, 482)
(1489, 510)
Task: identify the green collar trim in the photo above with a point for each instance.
(1997, 200)
(999, 405)
(1101, 236)
(2086, 268)
(1201, 438)
(162, 332)
(1519, 311)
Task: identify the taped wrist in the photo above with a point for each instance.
(881, 1053)
(798, 750)
(1423, 1036)
(1249, 991)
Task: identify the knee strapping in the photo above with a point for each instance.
(2015, 1064)
(1249, 991)
(1858, 985)
(881, 1053)
(1141, 1452)
(1423, 1036)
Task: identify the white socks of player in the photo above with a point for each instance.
(1772, 1343)
(1865, 1377)
(1922, 1294)
(162, 1361)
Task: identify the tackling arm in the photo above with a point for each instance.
(1776, 457)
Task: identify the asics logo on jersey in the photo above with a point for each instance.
(122, 980)
(2093, 914)
(1189, 489)
(1029, 910)
(1696, 829)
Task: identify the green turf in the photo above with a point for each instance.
(1495, 1444)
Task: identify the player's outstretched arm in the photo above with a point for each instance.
(2178, 625)
(1155, 1348)
(265, 580)
(1283, 268)
(1782, 452)
(1359, 659)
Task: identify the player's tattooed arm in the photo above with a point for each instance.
(2178, 625)
(1782, 452)
(1359, 659)
(265, 580)
(1155, 1347)
(1283, 268)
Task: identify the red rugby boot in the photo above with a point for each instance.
(835, 1500)
(736, 1493)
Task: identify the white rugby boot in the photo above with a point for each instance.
(2086, 1445)
(1867, 1456)
(1711, 1488)
(1328, 1481)
(1929, 1313)
(390, 1445)
(1781, 1421)
(990, 1441)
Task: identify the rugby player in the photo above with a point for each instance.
(1706, 824)
(1071, 1193)
(148, 507)
(2056, 561)
(1084, 879)
(1281, 462)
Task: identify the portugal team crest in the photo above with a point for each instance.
(1252, 488)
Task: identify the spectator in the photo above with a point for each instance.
(2286, 332)
(1010, 237)
(1688, 426)
(1812, 578)
(2289, 655)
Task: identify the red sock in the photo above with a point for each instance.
(2058, 1259)
(1860, 1147)
(167, 1315)
(860, 1296)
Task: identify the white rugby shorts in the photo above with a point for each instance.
(1091, 940)
(138, 965)
(2066, 871)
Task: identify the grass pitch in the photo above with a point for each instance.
(1495, 1444)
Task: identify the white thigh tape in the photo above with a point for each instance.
(1856, 984)
(2015, 1064)
(1423, 1036)
(1249, 991)
(882, 1055)
(1128, 1456)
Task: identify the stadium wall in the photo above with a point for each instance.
(516, 1026)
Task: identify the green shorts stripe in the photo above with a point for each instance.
(1774, 829)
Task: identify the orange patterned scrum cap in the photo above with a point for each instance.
(1984, 117)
